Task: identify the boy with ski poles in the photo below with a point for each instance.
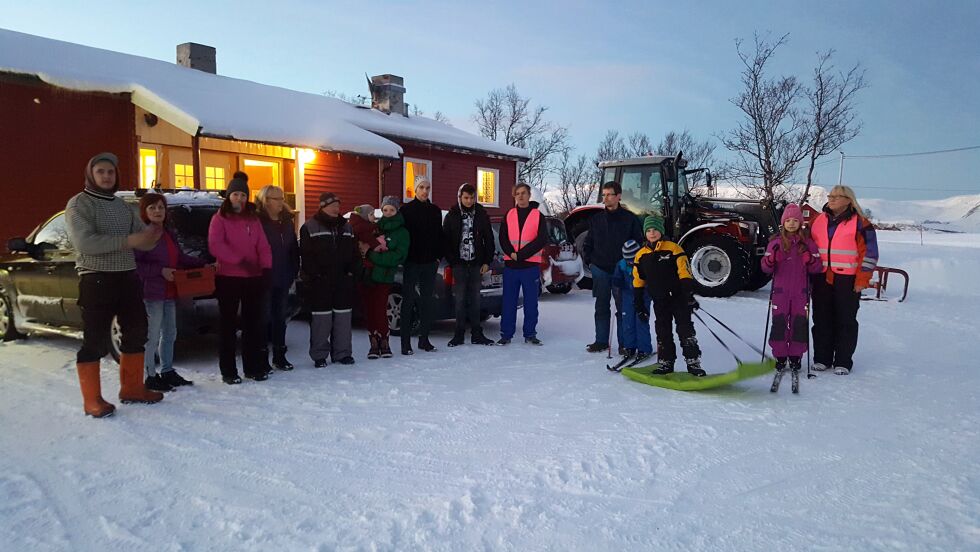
(634, 330)
(661, 273)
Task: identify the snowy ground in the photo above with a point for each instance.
(520, 448)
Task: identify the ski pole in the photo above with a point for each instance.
(765, 331)
(808, 299)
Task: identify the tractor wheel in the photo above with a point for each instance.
(719, 264)
(758, 279)
(562, 288)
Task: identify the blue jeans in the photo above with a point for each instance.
(161, 333)
(516, 280)
(602, 290)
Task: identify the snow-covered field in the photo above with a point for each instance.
(520, 448)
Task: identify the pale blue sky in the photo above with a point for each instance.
(632, 66)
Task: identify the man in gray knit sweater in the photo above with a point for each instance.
(104, 231)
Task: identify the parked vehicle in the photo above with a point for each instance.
(724, 238)
(39, 284)
(561, 264)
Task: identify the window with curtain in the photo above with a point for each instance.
(487, 186)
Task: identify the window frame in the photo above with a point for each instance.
(185, 176)
(405, 162)
(496, 184)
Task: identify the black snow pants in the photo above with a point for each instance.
(674, 308)
(835, 325)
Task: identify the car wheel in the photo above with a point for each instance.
(560, 288)
(115, 339)
(719, 264)
(7, 329)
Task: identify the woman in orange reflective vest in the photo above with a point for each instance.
(849, 249)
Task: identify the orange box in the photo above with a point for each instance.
(195, 282)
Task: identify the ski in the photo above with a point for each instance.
(796, 381)
(638, 359)
(619, 364)
(775, 382)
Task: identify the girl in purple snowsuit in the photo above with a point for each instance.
(790, 258)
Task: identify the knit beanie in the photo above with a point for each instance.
(655, 222)
(629, 249)
(237, 185)
(326, 198)
(364, 211)
(390, 200)
(792, 211)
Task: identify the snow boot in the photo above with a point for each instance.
(457, 340)
(347, 360)
(375, 351)
(385, 347)
(426, 345)
(820, 367)
(480, 339)
(596, 347)
(780, 364)
(503, 341)
(279, 359)
(174, 379)
(842, 370)
(407, 350)
(533, 340)
(320, 363)
(666, 367)
(90, 380)
(694, 367)
(131, 387)
(157, 383)
(263, 356)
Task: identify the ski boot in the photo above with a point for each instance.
(666, 367)
(780, 364)
(694, 367)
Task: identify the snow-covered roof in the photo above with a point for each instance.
(228, 107)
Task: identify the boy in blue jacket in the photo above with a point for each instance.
(635, 334)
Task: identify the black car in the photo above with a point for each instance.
(39, 284)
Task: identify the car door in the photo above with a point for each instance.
(38, 280)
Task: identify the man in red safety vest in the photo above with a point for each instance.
(523, 234)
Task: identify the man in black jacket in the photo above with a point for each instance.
(523, 234)
(423, 220)
(469, 250)
(608, 231)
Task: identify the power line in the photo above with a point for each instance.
(880, 156)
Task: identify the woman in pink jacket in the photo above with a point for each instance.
(236, 239)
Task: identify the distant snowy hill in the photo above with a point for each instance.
(952, 214)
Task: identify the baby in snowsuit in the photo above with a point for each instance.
(634, 333)
(790, 258)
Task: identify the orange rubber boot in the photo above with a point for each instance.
(91, 383)
(131, 388)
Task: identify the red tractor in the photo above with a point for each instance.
(724, 238)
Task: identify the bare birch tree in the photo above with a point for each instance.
(831, 111)
(576, 184)
(507, 116)
(773, 138)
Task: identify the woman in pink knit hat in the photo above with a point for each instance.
(791, 257)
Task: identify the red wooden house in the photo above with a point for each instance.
(183, 126)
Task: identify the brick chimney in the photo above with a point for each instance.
(388, 94)
(197, 56)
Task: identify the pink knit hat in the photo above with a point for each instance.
(792, 211)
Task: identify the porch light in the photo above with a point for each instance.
(306, 155)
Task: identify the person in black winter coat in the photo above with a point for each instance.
(469, 247)
(278, 224)
(330, 264)
(423, 220)
(608, 231)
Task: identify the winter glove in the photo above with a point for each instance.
(806, 257)
(640, 304)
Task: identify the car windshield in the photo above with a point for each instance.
(642, 189)
(556, 231)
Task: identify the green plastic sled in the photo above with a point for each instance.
(682, 381)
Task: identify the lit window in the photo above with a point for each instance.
(183, 176)
(214, 178)
(487, 182)
(148, 168)
(415, 168)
